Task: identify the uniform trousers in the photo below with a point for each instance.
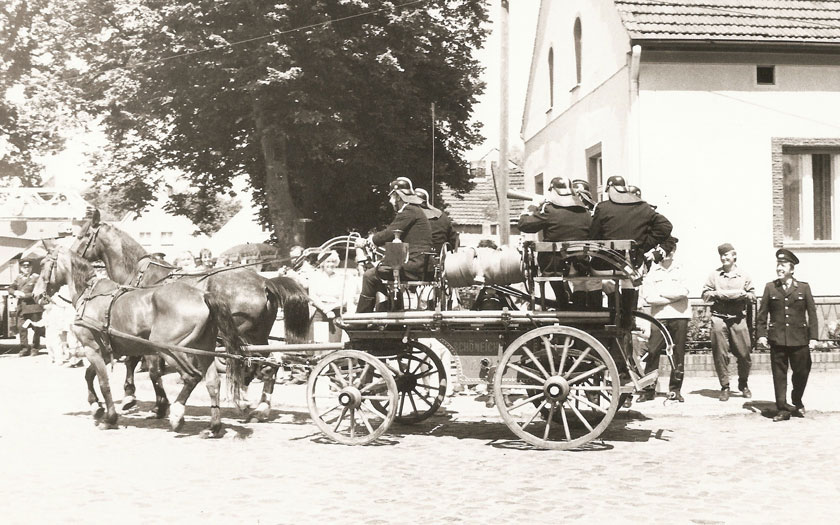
(799, 358)
(731, 335)
(678, 328)
(24, 332)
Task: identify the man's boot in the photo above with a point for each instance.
(579, 300)
(595, 299)
(366, 304)
(24, 351)
(629, 300)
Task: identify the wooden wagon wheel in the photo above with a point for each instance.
(421, 382)
(340, 391)
(562, 370)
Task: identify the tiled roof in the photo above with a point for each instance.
(479, 205)
(806, 21)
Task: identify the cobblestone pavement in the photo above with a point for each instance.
(702, 461)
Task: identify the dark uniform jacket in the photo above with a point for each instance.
(443, 232)
(26, 304)
(637, 221)
(787, 326)
(416, 232)
(558, 223)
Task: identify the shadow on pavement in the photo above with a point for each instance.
(765, 408)
(707, 392)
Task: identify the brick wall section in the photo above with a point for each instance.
(779, 146)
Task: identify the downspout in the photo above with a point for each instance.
(633, 132)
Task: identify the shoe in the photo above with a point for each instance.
(746, 392)
(782, 415)
(724, 394)
(646, 395)
(676, 396)
(628, 401)
(799, 411)
(24, 351)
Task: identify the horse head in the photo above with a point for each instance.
(85, 244)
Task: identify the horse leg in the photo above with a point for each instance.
(93, 400)
(156, 377)
(99, 364)
(176, 411)
(261, 413)
(213, 383)
(240, 397)
(129, 401)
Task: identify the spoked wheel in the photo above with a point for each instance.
(340, 391)
(421, 382)
(557, 387)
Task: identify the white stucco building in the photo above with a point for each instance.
(725, 112)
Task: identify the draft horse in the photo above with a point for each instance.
(170, 315)
(253, 300)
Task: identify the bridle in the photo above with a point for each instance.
(91, 243)
(47, 270)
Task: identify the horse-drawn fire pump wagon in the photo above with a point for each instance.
(557, 376)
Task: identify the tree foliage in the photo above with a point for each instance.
(318, 103)
(35, 103)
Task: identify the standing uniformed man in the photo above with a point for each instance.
(791, 336)
(28, 309)
(443, 232)
(562, 217)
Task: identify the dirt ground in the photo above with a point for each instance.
(701, 461)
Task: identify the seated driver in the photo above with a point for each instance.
(413, 228)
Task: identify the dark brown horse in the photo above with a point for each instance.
(170, 315)
(253, 300)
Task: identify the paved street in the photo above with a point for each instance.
(699, 462)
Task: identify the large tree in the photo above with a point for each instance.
(320, 103)
(36, 104)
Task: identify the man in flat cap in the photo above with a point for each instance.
(730, 291)
(791, 336)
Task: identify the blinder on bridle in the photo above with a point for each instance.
(91, 234)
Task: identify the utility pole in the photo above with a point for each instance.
(504, 208)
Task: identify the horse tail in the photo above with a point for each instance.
(221, 317)
(295, 303)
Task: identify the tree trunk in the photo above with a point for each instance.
(282, 211)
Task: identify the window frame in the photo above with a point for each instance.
(780, 146)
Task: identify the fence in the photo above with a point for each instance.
(828, 317)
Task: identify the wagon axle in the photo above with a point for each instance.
(350, 397)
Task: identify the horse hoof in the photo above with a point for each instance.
(161, 411)
(97, 415)
(129, 403)
(209, 433)
(176, 426)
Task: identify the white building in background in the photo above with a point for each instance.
(159, 231)
(725, 112)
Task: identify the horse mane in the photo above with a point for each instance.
(80, 269)
(128, 251)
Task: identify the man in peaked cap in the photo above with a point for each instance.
(791, 336)
(443, 232)
(730, 290)
(411, 226)
(28, 309)
(562, 217)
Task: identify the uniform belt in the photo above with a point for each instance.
(728, 317)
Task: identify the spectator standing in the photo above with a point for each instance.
(205, 260)
(791, 336)
(730, 291)
(28, 309)
(666, 291)
(327, 292)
